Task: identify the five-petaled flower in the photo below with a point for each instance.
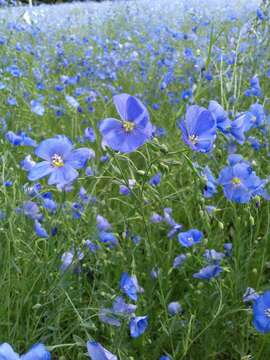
(199, 129)
(60, 161)
(132, 131)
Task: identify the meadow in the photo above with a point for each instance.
(134, 191)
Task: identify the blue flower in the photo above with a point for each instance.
(121, 307)
(261, 313)
(155, 180)
(174, 308)
(60, 161)
(40, 231)
(213, 256)
(190, 238)
(98, 352)
(138, 325)
(210, 187)
(27, 163)
(20, 139)
(199, 129)
(102, 223)
(66, 260)
(255, 88)
(179, 260)
(134, 129)
(36, 352)
(129, 285)
(222, 119)
(164, 357)
(208, 272)
(240, 183)
(108, 238)
(250, 295)
(37, 107)
(89, 134)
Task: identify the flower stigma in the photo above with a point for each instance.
(128, 126)
(57, 160)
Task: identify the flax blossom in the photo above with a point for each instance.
(199, 129)
(132, 131)
(60, 161)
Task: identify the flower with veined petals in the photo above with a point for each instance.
(60, 161)
(199, 129)
(132, 131)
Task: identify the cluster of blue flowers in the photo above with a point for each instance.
(133, 160)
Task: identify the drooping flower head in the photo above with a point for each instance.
(98, 352)
(138, 325)
(134, 128)
(199, 129)
(60, 161)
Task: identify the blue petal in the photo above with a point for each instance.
(59, 145)
(37, 352)
(97, 352)
(7, 353)
(78, 158)
(40, 170)
(63, 175)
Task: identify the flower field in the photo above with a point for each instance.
(134, 187)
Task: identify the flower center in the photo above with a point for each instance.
(128, 126)
(236, 181)
(193, 139)
(267, 312)
(57, 160)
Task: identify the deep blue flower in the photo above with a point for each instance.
(138, 325)
(155, 180)
(255, 88)
(199, 129)
(190, 238)
(36, 352)
(98, 352)
(108, 238)
(164, 357)
(261, 313)
(210, 187)
(132, 131)
(208, 272)
(40, 231)
(129, 285)
(60, 161)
